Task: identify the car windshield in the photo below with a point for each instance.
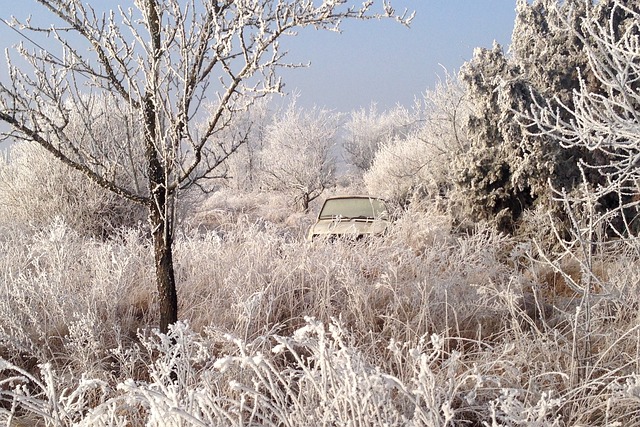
(357, 207)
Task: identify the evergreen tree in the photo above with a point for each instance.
(510, 163)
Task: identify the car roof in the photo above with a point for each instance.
(357, 196)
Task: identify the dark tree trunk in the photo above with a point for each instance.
(165, 277)
(161, 222)
(304, 201)
(160, 207)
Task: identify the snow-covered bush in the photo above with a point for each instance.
(65, 299)
(319, 373)
(35, 189)
(313, 376)
(416, 165)
(601, 118)
(404, 169)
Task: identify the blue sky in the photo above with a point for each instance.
(386, 63)
(372, 61)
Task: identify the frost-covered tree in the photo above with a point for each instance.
(164, 60)
(506, 169)
(418, 165)
(487, 175)
(546, 45)
(601, 123)
(367, 130)
(242, 170)
(603, 119)
(403, 170)
(445, 111)
(299, 153)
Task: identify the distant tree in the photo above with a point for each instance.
(368, 130)
(163, 60)
(242, 170)
(445, 112)
(298, 156)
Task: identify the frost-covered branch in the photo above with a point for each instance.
(222, 54)
(604, 118)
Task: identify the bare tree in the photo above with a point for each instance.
(298, 154)
(243, 169)
(163, 60)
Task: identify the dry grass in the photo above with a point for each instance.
(446, 329)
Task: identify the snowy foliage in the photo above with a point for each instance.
(499, 175)
(36, 189)
(416, 165)
(604, 121)
(507, 169)
(547, 46)
(368, 130)
(404, 169)
(298, 156)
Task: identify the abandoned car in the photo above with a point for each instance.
(350, 217)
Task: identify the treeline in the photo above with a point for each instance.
(550, 121)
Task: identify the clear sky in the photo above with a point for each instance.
(372, 61)
(387, 63)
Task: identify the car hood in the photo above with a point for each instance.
(347, 227)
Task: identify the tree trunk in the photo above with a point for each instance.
(161, 206)
(161, 222)
(165, 277)
(304, 201)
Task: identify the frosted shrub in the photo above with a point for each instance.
(227, 209)
(509, 410)
(36, 399)
(415, 164)
(64, 297)
(318, 375)
(35, 188)
(368, 130)
(313, 377)
(403, 168)
(600, 119)
(327, 381)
